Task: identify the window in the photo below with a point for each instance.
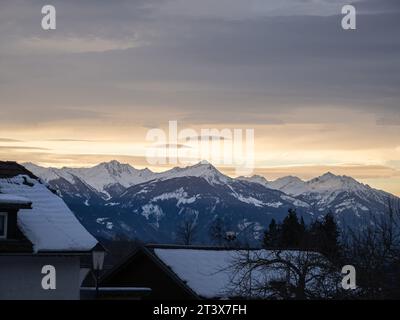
(3, 225)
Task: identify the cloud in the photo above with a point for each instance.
(20, 148)
(284, 67)
(67, 45)
(378, 6)
(38, 113)
(394, 163)
(252, 69)
(72, 140)
(207, 138)
(9, 140)
(171, 146)
(250, 9)
(394, 121)
(73, 160)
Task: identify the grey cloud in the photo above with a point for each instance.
(205, 65)
(39, 113)
(250, 9)
(378, 6)
(9, 140)
(395, 121)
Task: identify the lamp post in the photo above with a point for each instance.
(98, 253)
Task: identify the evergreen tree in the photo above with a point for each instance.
(330, 230)
(292, 235)
(218, 232)
(321, 236)
(325, 237)
(272, 236)
(303, 225)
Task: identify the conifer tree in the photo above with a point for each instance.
(272, 235)
(292, 231)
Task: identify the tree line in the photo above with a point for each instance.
(373, 249)
(320, 236)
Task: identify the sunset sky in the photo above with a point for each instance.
(319, 98)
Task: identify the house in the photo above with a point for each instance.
(192, 272)
(42, 243)
(144, 268)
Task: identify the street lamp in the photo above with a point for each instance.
(98, 253)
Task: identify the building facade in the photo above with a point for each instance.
(41, 242)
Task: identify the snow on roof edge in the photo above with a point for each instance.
(50, 225)
(13, 199)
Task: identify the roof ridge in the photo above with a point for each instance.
(10, 169)
(195, 247)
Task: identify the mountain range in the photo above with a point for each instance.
(115, 200)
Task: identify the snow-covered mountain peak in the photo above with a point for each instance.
(290, 185)
(146, 171)
(330, 183)
(289, 179)
(203, 162)
(116, 168)
(46, 174)
(327, 183)
(202, 169)
(255, 179)
(97, 177)
(204, 166)
(149, 194)
(113, 164)
(329, 175)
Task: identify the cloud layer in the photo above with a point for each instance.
(316, 94)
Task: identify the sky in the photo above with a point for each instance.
(319, 98)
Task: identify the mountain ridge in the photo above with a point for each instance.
(150, 206)
(278, 184)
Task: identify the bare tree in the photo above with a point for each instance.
(187, 231)
(221, 235)
(217, 232)
(375, 252)
(284, 274)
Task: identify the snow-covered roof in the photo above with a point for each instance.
(202, 270)
(11, 199)
(49, 225)
(210, 273)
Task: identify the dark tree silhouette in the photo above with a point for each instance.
(292, 234)
(324, 237)
(218, 232)
(284, 274)
(272, 237)
(187, 231)
(375, 253)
